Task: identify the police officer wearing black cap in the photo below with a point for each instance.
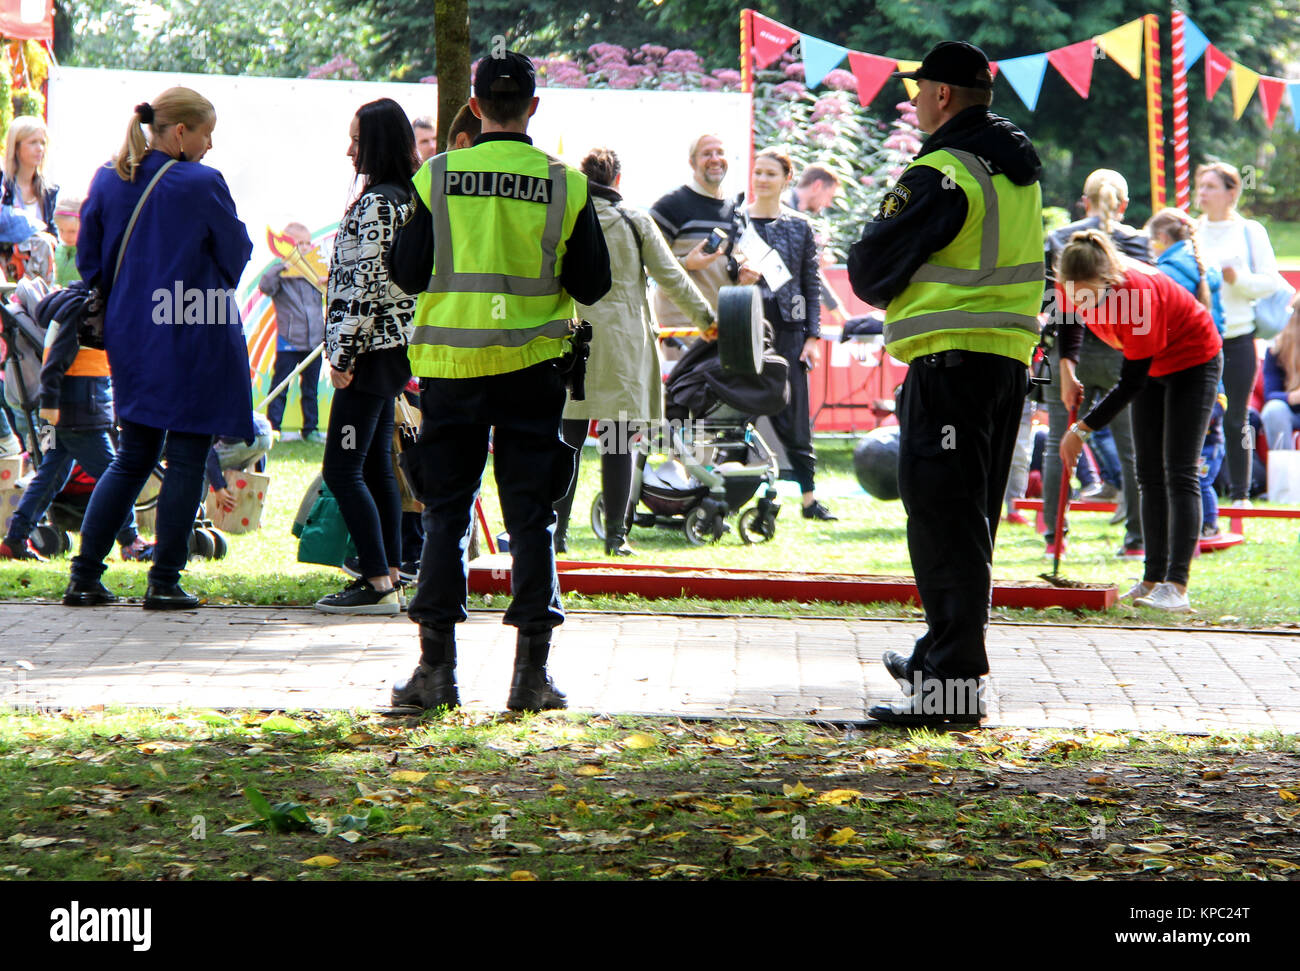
(954, 255)
(504, 239)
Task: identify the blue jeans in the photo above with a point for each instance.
(1106, 453)
(94, 451)
(1211, 462)
(138, 449)
(308, 380)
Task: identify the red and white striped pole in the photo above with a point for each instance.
(1182, 163)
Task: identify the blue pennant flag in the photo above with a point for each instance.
(1025, 75)
(819, 58)
(1194, 43)
(1293, 88)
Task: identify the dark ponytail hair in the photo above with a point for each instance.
(602, 166)
(385, 145)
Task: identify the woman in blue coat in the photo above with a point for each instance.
(172, 332)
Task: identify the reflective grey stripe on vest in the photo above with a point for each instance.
(445, 279)
(490, 336)
(958, 320)
(996, 277)
(989, 273)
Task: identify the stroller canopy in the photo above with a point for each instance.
(698, 384)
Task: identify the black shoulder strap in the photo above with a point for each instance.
(630, 225)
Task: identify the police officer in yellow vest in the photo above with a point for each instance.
(503, 240)
(954, 255)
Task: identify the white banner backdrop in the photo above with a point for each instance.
(281, 144)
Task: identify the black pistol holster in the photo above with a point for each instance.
(574, 364)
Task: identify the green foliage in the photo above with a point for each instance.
(283, 817)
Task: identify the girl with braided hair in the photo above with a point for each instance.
(1172, 364)
(1175, 242)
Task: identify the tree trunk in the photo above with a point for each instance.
(451, 48)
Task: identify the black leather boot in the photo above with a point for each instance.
(433, 682)
(531, 689)
(616, 545)
(93, 594)
(170, 596)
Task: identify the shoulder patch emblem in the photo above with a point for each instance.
(894, 201)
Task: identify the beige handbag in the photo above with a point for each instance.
(406, 430)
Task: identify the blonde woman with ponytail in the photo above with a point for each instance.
(1170, 373)
(1077, 355)
(171, 329)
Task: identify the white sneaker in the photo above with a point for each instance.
(291, 436)
(1165, 596)
(1241, 504)
(1139, 589)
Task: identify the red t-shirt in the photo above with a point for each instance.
(1151, 315)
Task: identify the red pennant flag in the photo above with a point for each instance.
(771, 40)
(1217, 66)
(872, 71)
(1270, 96)
(1075, 65)
(993, 69)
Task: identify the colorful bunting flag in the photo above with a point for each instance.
(1075, 65)
(1217, 66)
(771, 40)
(1270, 96)
(1293, 89)
(1244, 82)
(1025, 75)
(911, 86)
(1194, 42)
(871, 71)
(819, 58)
(1123, 45)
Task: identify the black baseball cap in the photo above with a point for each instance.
(507, 76)
(953, 62)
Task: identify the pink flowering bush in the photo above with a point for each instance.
(337, 68)
(648, 67)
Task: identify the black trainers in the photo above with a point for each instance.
(914, 712)
(429, 686)
(409, 571)
(20, 551)
(88, 595)
(359, 597)
(815, 510)
(352, 566)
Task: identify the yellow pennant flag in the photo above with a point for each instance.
(1244, 83)
(1123, 45)
(911, 86)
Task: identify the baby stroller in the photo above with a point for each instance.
(715, 460)
(24, 328)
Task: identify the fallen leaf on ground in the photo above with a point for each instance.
(406, 775)
(639, 740)
(321, 861)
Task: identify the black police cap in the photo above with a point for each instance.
(508, 76)
(953, 62)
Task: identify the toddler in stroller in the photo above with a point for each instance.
(714, 458)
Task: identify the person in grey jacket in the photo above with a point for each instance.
(300, 329)
(624, 379)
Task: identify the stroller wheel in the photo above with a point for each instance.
(220, 546)
(754, 527)
(50, 540)
(703, 525)
(201, 543)
(598, 516)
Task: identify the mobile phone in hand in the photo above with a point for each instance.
(716, 238)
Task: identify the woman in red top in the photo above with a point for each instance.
(1172, 362)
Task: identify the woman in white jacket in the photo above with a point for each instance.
(1240, 248)
(624, 374)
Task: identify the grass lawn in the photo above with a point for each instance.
(1250, 585)
(195, 795)
(1285, 238)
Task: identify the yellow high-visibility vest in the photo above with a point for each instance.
(982, 292)
(502, 212)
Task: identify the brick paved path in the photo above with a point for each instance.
(1096, 677)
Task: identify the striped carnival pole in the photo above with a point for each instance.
(1182, 152)
(1155, 111)
(747, 75)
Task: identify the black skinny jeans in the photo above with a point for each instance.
(1239, 366)
(358, 468)
(615, 473)
(1170, 416)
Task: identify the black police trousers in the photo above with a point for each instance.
(520, 413)
(958, 414)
